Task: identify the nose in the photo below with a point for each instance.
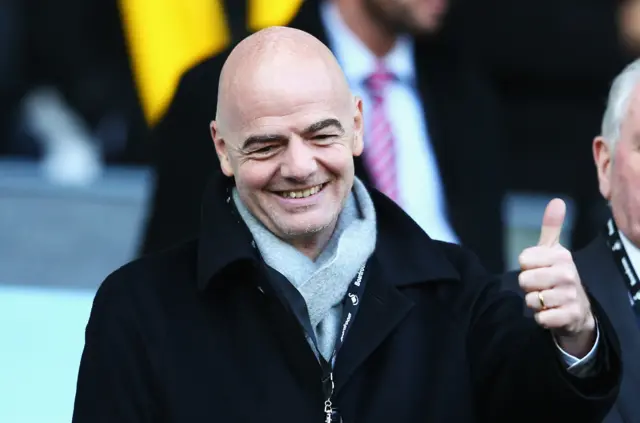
(299, 161)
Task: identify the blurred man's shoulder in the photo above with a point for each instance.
(205, 71)
(197, 89)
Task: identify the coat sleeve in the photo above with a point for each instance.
(115, 382)
(517, 372)
(510, 282)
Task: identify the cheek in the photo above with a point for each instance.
(625, 185)
(255, 175)
(626, 169)
(336, 159)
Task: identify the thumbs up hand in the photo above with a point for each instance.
(554, 290)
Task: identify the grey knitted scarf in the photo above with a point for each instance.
(323, 283)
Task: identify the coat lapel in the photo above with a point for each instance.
(601, 277)
(412, 259)
(382, 309)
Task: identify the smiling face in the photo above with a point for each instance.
(289, 134)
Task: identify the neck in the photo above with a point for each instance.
(378, 37)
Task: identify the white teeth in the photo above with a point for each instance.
(302, 194)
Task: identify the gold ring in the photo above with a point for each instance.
(541, 299)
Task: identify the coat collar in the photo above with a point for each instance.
(224, 237)
(402, 248)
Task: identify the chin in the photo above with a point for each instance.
(305, 229)
(299, 226)
(428, 27)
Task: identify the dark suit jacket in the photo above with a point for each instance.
(602, 279)
(198, 333)
(464, 128)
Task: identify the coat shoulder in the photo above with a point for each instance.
(465, 261)
(478, 290)
(141, 278)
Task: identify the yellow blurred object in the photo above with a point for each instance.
(265, 13)
(167, 37)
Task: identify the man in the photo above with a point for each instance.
(300, 302)
(432, 131)
(608, 265)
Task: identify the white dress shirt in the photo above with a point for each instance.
(419, 182)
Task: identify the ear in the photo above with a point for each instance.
(358, 127)
(221, 149)
(602, 157)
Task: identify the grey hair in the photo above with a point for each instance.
(618, 102)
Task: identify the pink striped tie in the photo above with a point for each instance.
(379, 154)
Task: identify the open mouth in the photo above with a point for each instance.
(303, 193)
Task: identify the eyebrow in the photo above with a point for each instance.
(325, 123)
(314, 127)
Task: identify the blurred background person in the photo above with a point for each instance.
(69, 123)
(610, 264)
(433, 135)
(80, 107)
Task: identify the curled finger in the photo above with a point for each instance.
(551, 298)
(536, 279)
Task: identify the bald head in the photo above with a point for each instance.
(276, 62)
(287, 130)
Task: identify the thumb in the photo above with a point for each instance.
(552, 222)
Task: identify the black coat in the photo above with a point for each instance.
(195, 334)
(602, 279)
(464, 126)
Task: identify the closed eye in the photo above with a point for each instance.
(323, 137)
(266, 151)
